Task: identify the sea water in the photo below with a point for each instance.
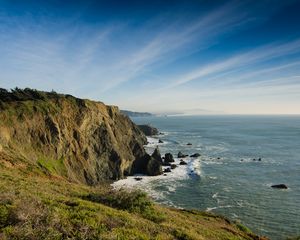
(241, 157)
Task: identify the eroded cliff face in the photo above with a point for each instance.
(82, 140)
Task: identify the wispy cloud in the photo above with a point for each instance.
(121, 61)
(73, 55)
(236, 62)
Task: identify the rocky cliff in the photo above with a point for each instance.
(82, 140)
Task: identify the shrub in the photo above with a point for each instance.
(180, 235)
(131, 201)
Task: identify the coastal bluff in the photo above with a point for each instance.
(82, 140)
(58, 156)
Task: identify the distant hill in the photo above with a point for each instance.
(136, 114)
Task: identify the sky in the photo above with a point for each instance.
(166, 57)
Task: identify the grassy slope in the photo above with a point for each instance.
(36, 205)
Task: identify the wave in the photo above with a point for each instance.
(159, 187)
(209, 209)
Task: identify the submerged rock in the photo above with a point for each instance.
(195, 155)
(280, 186)
(160, 141)
(181, 155)
(182, 162)
(173, 166)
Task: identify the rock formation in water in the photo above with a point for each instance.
(169, 158)
(280, 186)
(148, 130)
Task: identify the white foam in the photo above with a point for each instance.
(194, 166)
(171, 180)
(212, 177)
(152, 142)
(215, 195)
(213, 208)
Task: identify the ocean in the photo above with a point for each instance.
(241, 157)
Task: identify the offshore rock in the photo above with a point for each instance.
(280, 186)
(181, 155)
(195, 155)
(148, 130)
(169, 158)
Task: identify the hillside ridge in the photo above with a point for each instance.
(82, 140)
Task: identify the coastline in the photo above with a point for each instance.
(143, 182)
(233, 181)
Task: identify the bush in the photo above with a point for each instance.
(131, 201)
(18, 94)
(180, 235)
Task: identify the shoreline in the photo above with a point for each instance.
(143, 182)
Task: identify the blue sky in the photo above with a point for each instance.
(192, 57)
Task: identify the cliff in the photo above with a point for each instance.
(82, 140)
(52, 146)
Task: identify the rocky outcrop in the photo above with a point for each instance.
(82, 140)
(195, 155)
(280, 186)
(182, 162)
(148, 130)
(169, 158)
(156, 155)
(150, 165)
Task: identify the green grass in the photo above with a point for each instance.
(34, 205)
(29, 108)
(243, 228)
(131, 201)
(52, 167)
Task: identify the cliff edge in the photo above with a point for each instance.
(83, 140)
